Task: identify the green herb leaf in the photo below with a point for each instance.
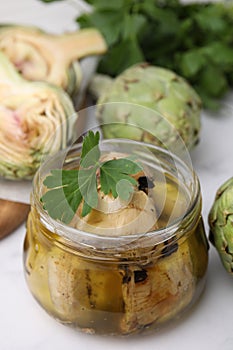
(220, 54)
(63, 199)
(87, 183)
(113, 172)
(67, 189)
(47, 1)
(108, 22)
(213, 81)
(133, 24)
(115, 61)
(192, 62)
(211, 19)
(106, 4)
(90, 149)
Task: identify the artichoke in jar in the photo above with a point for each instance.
(172, 106)
(36, 119)
(128, 242)
(221, 224)
(155, 293)
(114, 218)
(38, 55)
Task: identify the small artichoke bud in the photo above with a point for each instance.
(221, 224)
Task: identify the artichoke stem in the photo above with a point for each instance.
(99, 85)
(82, 43)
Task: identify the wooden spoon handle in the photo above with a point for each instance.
(12, 215)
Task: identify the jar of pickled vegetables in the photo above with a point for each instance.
(122, 269)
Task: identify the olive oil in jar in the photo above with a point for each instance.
(120, 285)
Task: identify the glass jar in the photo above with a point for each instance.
(106, 284)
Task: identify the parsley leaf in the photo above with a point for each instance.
(133, 24)
(113, 172)
(90, 149)
(114, 60)
(47, 1)
(87, 183)
(107, 4)
(68, 189)
(107, 21)
(192, 62)
(63, 199)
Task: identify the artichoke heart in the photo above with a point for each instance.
(156, 293)
(36, 119)
(114, 217)
(171, 106)
(221, 224)
(38, 55)
(78, 286)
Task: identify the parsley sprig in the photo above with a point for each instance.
(68, 189)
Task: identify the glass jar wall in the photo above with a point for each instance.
(121, 284)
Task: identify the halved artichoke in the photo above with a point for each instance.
(36, 119)
(38, 55)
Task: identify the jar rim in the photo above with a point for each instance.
(83, 237)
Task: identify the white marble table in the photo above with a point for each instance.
(25, 326)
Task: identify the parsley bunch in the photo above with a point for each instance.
(194, 40)
(67, 189)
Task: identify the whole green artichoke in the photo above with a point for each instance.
(221, 224)
(171, 106)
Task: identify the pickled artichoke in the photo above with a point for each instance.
(142, 294)
(109, 290)
(221, 224)
(177, 105)
(115, 218)
(38, 55)
(36, 119)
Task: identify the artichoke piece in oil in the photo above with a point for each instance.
(117, 294)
